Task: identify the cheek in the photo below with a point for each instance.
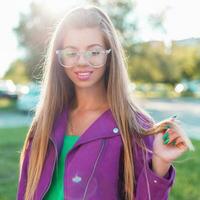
(99, 72)
(68, 72)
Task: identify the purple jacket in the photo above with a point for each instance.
(92, 166)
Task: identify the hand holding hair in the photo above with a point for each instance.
(170, 142)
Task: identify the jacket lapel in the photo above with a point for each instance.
(103, 127)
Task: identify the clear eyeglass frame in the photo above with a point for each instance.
(85, 54)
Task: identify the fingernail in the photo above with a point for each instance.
(166, 141)
(167, 126)
(165, 136)
(174, 116)
(174, 143)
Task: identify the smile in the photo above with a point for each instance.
(83, 75)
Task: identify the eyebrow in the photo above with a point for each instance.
(91, 45)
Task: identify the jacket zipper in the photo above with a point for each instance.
(52, 170)
(93, 170)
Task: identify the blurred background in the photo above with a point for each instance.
(161, 39)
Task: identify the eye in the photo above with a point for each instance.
(69, 53)
(94, 52)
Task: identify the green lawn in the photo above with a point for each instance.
(186, 186)
(10, 144)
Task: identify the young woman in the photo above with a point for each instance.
(88, 139)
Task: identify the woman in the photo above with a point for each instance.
(88, 139)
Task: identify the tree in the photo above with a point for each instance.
(33, 33)
(35, 28)
(186, 59)
(125, 21)
(152, 63)
(17, 72)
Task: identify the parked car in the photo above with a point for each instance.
(22, 89)
(28, 102)
(8, 89)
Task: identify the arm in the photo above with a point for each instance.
(149, 184)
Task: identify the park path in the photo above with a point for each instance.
(187, 111)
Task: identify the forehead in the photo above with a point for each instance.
(83, 38)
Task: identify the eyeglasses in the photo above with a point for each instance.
(95, 57)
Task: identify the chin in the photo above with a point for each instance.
(88, 84)
(84, 85)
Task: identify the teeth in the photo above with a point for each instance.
(84, 73)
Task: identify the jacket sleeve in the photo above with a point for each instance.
(23, 175)
(150, 186)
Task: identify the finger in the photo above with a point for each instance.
(180, 143)
(168, 125)
(180, 140)
(173, 118)
(180, 132)
(175, 129)
(173, 124)
(173, 137)
(182, 146)
(169, 136)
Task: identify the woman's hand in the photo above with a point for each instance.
(168, 146)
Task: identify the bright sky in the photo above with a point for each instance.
(181, 21)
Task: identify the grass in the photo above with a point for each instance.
(11, 140)
(186, 185)
(187, 182)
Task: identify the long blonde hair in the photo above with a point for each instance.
(58, 91)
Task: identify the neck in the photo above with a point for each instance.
(90, 98)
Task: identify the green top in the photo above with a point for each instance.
(56, 190)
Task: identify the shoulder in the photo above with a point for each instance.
(144, 120)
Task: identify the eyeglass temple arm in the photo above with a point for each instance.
(108, 51)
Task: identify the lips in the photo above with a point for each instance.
(83, 75)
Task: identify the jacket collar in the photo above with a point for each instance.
(103, 127)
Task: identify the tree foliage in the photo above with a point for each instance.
(147, 61)
(154, 62)
(17, 72)
(33, 33)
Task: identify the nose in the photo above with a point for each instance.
(82, 60)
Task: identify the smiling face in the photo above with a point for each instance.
(82, 74)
